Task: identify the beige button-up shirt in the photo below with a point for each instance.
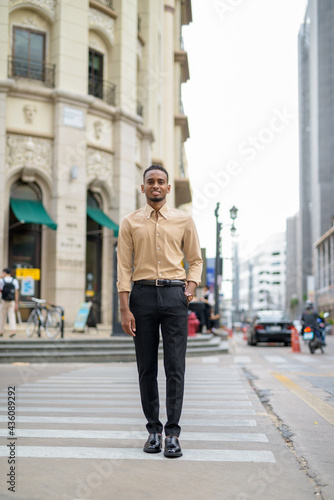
(153, 248)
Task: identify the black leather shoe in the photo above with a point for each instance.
(153, 444)
(172, 447)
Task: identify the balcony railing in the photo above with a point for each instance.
(107, 3)
(32, 70)
(102, 89)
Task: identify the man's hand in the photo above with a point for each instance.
(128, 322)
(190, 290)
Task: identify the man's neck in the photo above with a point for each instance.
(156, 205)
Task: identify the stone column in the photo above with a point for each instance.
(168, 105)
(4, 86)
(125, 121)
(66, 278)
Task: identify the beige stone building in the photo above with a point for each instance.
(90, 95)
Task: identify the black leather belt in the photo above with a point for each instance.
(160, 282)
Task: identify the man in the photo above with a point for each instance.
(311, 318)
(208, 300)
(152, 243)
(9, 288)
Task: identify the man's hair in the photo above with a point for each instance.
(6, 270)
(155, 167)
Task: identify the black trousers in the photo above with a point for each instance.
(166, 307)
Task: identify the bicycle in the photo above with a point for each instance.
(45, 316)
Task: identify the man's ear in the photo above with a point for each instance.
(142, 188)
(168, 188)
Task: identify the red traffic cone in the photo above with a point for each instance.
(295, 346)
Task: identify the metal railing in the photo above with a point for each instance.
(107, 3)
(19, 67)
(102, 89)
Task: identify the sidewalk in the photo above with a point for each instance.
(102, 332)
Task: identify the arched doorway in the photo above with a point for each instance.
(24, 240)
(94, 257)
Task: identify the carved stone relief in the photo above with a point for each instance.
(99, 168)
(29, 111)
(104, 22)
(47, 5)
(98, 129)
(29, 152)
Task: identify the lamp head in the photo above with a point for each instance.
(233, 212)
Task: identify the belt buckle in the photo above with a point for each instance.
(157, 282)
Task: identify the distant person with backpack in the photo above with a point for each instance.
(9, 288)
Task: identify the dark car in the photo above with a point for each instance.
(270, 326)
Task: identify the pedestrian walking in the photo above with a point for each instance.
(9, 288)
(152, 243)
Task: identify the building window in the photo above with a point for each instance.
(95, 74)
(28, 54)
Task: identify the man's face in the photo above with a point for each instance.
(155, 185)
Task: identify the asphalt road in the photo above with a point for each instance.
(257, 424)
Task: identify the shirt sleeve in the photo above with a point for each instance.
(124, 257)
(192, 251)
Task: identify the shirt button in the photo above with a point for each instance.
(157, 234)
(159, 262)
(160, 274)
(158, 248)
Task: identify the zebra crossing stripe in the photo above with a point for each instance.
(64, 391)
(192, 455)
(242, 359)
(118, 388)
(142, 435)
(109, 403)
(138, 413)
(115, 421)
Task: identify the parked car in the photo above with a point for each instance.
(270, 326)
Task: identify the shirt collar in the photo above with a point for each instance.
(164, 210)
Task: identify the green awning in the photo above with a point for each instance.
(101, 218)
(31, 211)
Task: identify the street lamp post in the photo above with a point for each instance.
(219, 265)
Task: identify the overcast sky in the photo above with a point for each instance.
(242, 105)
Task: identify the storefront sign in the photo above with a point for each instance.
(28, 273)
